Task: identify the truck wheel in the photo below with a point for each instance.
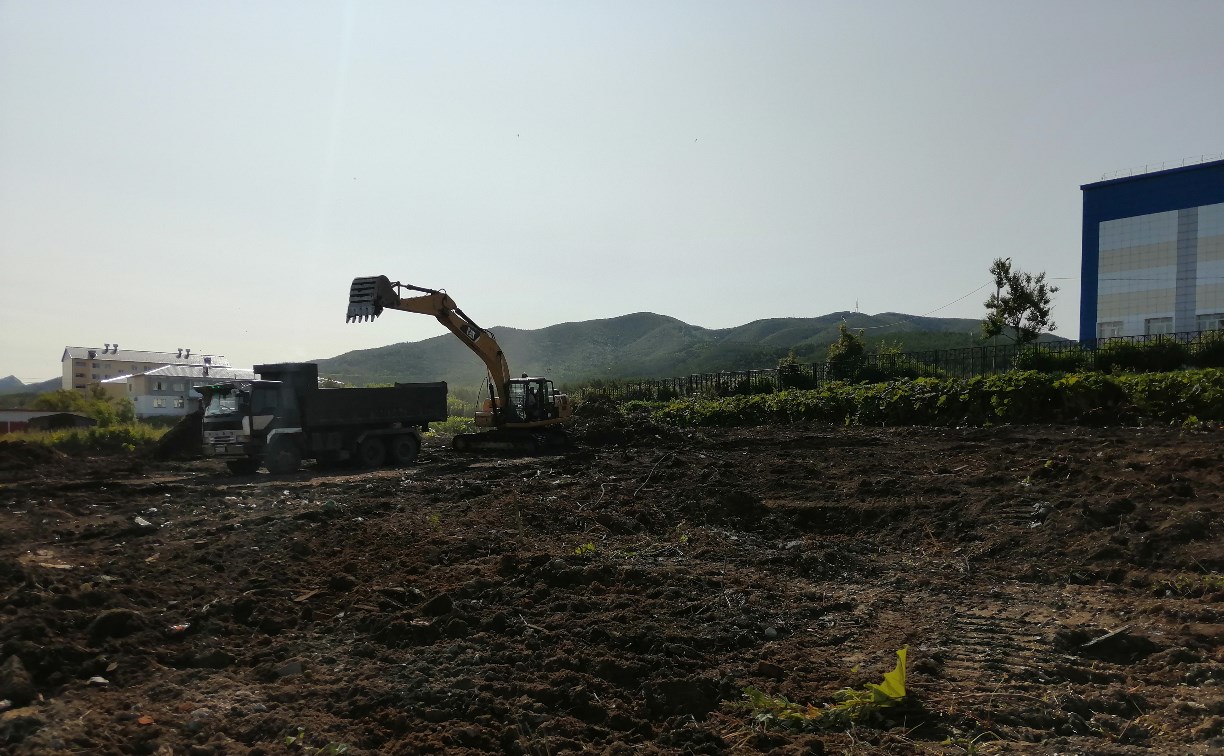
(282, 457)
(404, 450)
(372, 452)
(245, 466)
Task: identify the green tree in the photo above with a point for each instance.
(107, 410)
(62, 400)
(848, 347)
(1021, 306)
(845, 356)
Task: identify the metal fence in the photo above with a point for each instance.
(1121, 353)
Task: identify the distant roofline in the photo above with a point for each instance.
(142, 355)
(1155, 169)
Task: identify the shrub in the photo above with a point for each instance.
(1158, 356)
(112, 439)
(1016, 397)
(1208, 352)
(1049, 361)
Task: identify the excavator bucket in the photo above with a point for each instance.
(368, 296)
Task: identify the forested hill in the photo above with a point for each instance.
(642, 345)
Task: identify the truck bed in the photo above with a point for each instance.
(404, 403)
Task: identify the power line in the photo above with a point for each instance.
(925, 314)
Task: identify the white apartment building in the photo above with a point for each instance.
(85, 366)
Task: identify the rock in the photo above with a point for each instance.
(769, 669)
(342, 582)
(17, 723)
(144, 524)
(115, 623)
(290, 669)
(16, 684)
(214, 658)
(100, 682)
(771, 633)
(438, 605)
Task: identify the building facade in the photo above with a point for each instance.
(85, 366)
(170, 390)
(1153, 253)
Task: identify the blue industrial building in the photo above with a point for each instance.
(1153, 258)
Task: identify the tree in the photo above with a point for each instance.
(1020, 307)
(848, 347)
(845, 356)
(107, 410)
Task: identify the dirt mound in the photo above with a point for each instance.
(20, 455)
(182, 441)
(602, 422)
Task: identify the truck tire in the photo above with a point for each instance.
(371, 452)
(245, 466)
(404, 449)
(282, 457)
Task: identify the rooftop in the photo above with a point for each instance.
(1127, 174)
(113, 352)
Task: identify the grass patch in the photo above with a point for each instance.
(114, 439)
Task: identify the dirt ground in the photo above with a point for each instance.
(618, 598)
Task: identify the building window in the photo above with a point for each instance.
(94, 376)
(178, 386)
(78, 375)
(1154, 326)
(1213, 322)
(1109, 329)
(95, 364)
(178, 402)
(159, 404)
(157, 386)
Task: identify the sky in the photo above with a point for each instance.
(214, 175)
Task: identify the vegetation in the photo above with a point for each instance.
(1153, 356)
(850, 705)
(112, 439)
(1016, 397)
(105, 409)
(1021, 305)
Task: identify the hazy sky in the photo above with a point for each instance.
(213, 175)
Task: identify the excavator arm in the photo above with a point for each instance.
(368, 297)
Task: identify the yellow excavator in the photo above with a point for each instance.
(524, 414)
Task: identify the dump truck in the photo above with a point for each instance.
(285, 417)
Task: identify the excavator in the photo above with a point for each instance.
(524, 415)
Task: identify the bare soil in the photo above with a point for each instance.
(618, 598)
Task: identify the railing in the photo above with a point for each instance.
(1192, 347)
(1153, 167)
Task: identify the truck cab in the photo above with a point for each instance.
(238, 417)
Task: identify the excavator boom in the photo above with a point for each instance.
(522, 409)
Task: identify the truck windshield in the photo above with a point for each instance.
(224, 404)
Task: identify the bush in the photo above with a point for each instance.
(1048, 361)
(113, 439)
(1208, 352)
(1016, 397)
(1158, 356)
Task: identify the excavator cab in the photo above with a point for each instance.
(531, 399)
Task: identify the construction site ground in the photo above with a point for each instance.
(1059, 591)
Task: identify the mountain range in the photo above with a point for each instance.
(13, 385)
(642, 345)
